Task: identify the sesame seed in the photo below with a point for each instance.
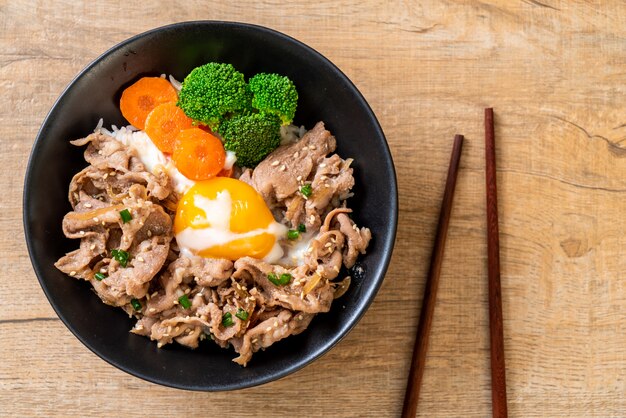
(322, 165)
(187, 291)
(92, 247)
(328, 245)
(204, 317)
(148, 296)
(140, 258)
(300, 317)
(139, 327)
(301, 295)
(152, 310)
(296, 154)
(275, 324)
(252, 298)
(149, 233)
(275, 163)
(268, 329)
(247, 299)
(103, 270)
(82, 232)
(112, 173)
(175, 302)
(154, 294)
(355, 227)
(299, 178)
(100, 152)
(326, 185)
(169, 329)
(254, 341)
(311, 147)
(72, 273)
(166, 335)
(105, 176)
(87, 205)
(336, 268)
(312, 219)
(283, 167)
(159, 345)
(103, 223)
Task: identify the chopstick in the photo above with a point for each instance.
(498, 378)
(411, 395)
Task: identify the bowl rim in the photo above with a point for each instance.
(386, 245)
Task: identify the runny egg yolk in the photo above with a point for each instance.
(226, 218)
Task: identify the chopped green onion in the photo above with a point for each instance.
(293, 234)
(306, 190)
(227, 320)
(136, 304)
(281, 280)
(301, 228)
(184, 302)
(285, 278)
(273, 278)
(121, 256)
(99, 276)
(241, 314)
(126, 216)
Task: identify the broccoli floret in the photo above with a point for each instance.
(251, 136)
(213, 91)
(273, 93)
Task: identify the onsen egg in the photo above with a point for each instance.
(227, 218)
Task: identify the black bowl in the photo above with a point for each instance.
(325, 94)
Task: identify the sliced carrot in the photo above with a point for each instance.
(198, 155)
(147, 93)
(164, 123)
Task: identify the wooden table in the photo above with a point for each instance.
(555, 72)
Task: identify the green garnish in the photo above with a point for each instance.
(241, 314)
(301, 228)
(281, 280)
(99, 276)
(126, 216)
(273, 278)
(306, 190)
(227, 320)
(293, 234)
(184, 302)
(136, 304)
(121, 256)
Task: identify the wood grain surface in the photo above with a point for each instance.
(555, 73)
